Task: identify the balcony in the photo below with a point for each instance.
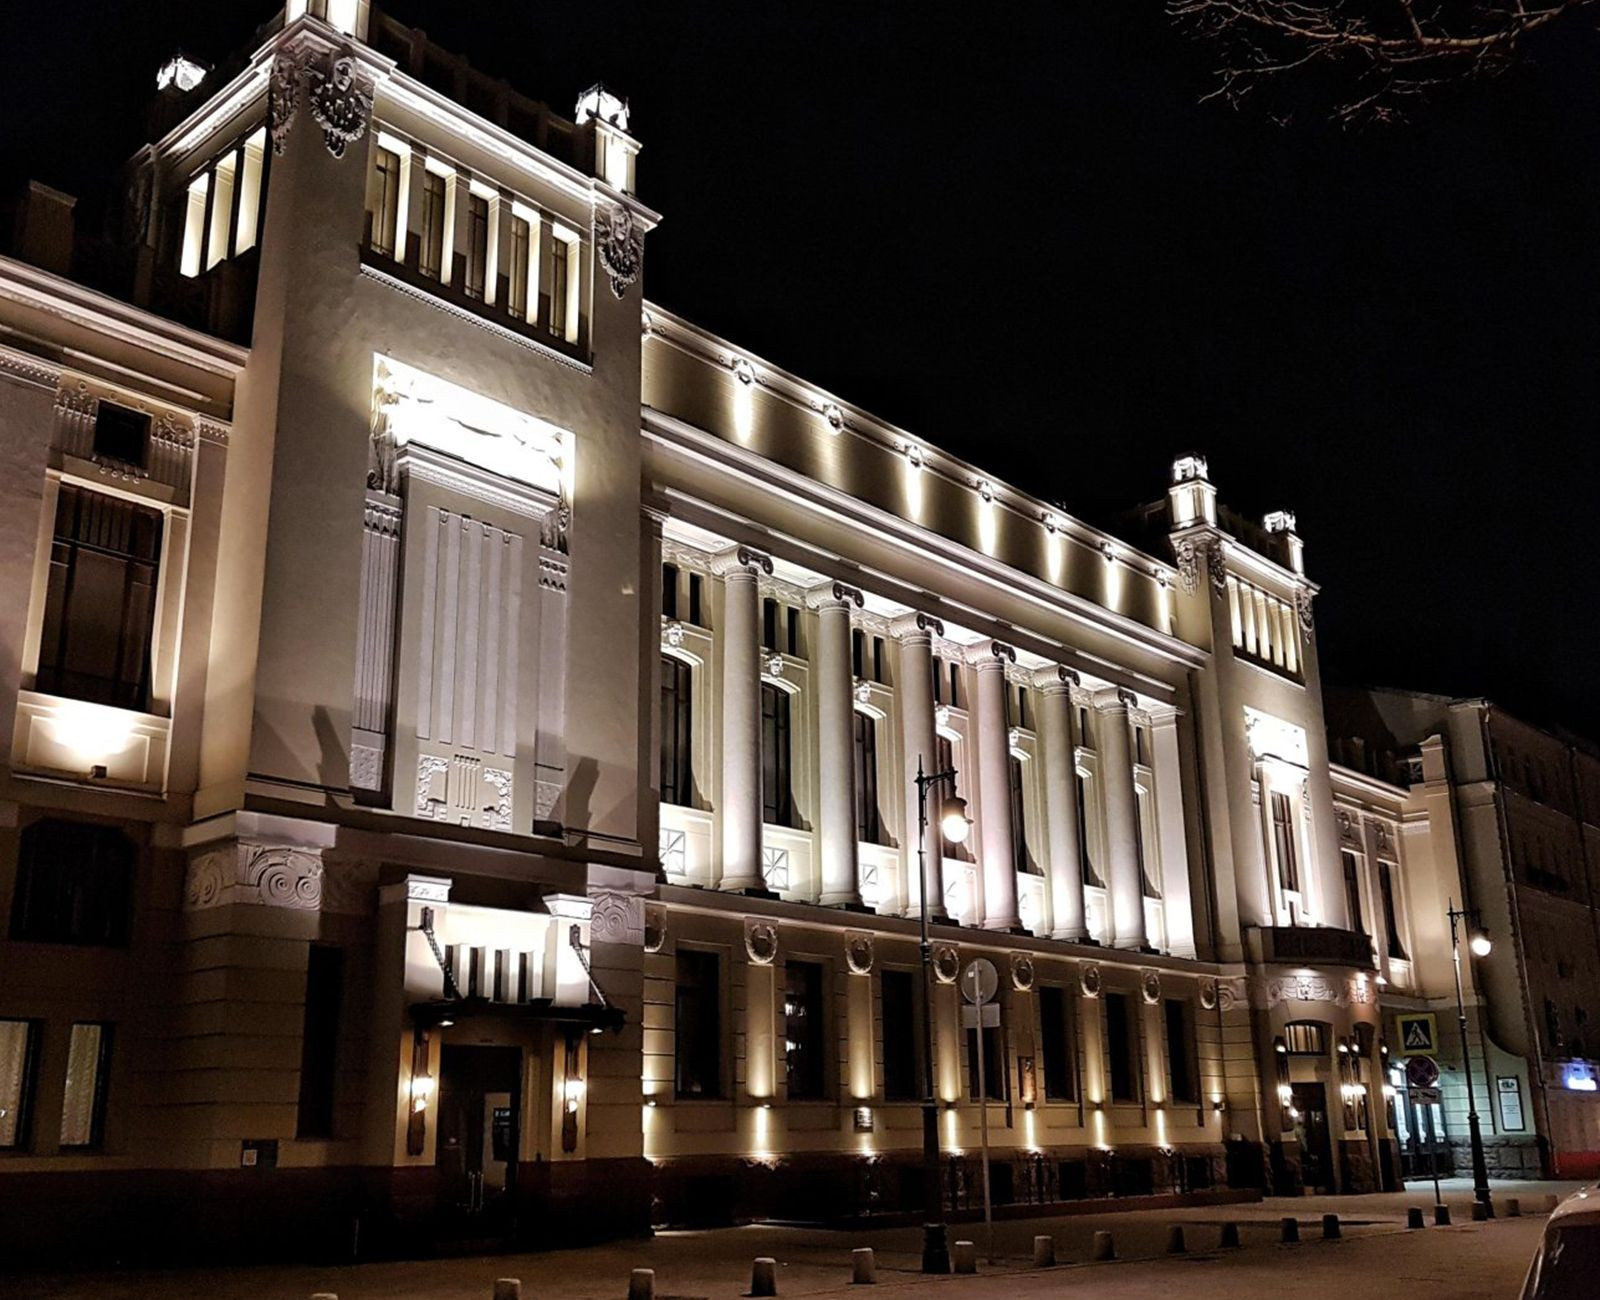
(1308, 945)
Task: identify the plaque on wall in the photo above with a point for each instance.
(1508, 1090)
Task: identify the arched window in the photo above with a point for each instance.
(73, 882)
(1306, 1038)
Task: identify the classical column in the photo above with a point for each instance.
(1122, 820)
(740, 812)
(999, 853)
(914, 695)
(836, 803)
(1061, 802)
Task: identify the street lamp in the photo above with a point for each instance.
(1478, 943)
(953, 825)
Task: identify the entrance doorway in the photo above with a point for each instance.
(1310, 1102)
(480, 1100)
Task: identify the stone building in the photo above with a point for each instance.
(465, 721)
(1471, 807)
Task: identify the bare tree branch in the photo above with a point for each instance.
(1366, 59)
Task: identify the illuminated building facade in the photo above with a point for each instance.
(463, 721)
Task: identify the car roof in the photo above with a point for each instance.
(1583, 1204)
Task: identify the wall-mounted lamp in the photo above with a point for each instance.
(421, 1092)
(863, 1119)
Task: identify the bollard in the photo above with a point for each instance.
(1044, 1252)
(1330, 1227)
(1441, 1215)
(1290, 1229)
(1414, 1217)
(642, 1284)
(1480, 1212)
(1513, 1207)
(1103, 1247)
(1550, 1203)
(1230, 1237)
(1175, 1244)
(965, 1257)
(863, 1266)
(508, 1288)
(764, 1276)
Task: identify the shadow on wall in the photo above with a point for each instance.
(334, 769)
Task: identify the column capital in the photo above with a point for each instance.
(1056, 679)
(832, 595)
(911, 626)
(738, 560)
(1115, 697)
(991, 654)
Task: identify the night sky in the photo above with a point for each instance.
(1014, 230)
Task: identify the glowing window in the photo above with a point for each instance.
(250, 191)
(194, 225)
(221, 209)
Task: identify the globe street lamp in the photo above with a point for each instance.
(953, 825)
(1479, 945)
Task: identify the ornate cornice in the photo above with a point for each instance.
(25, 368)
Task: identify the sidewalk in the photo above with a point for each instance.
(716, 1264)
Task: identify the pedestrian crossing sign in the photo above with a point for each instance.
(1419, 1032)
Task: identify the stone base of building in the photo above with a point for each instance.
(137, 1217)
(834, 1188)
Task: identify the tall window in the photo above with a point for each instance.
(805, 1038)
(698, 1025)
(385, 201)
(1091, 875)
(1391, 913)
(1121, 1047)
(435, 216)
(477, 245)
(769, 623)
(221, 210)
(858, 653)
(945, 755)
(1283, 843)
(1019, 828)
(99, 611)
(18, 1061)
(696, 586)
(83, 1109)
(869, 822)
(1183, 1073)
(73, 884)
(319, 1041)
(560, 281)
(777, 799)
(902, 1036)
(518, 264)
(1144, 842)
(669, 590)
(1352, 890)
(1058, 1044)
(677, 734)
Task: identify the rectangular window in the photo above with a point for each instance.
(994, 1064)
(1183, 1074)
(858, 652)
(518, 262)
(220, 227)
(1306, 1038)
(1058, 1044)
(938, 681)
(793, 630)
(869, 822)
(1019, 830)
(435, 217)
(695, 586)
(805, 1038)
(698, 1025)
(563, 284)
(677, 721)
(194, 225)
(255, 148)
(877, 659)
(1144, 838)
(384, 200)
(1352, 890)
(769, 624)
(1391, 913)
(1122, 1062)
(319, 1041)
(99, 613)
(1091, 876)
(477, 248)
(902, 1036)
(121, 434)
(777, 797)
(83, 1109)
(74, 880)
(1283, 843)
(945, 751)
(669, 590)
(18, 1060)
(955, 685)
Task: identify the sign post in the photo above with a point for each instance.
(1422, 1074)
(979, 982)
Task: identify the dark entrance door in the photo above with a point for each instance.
(1311, 1130)
(480, 1098)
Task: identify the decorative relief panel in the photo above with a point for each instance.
(1150, 987)
(655, 927)
(761, 942)
(946, 963)
(620, 242)
(618, 917)
(169, 451)
(1089, 979)
(858, 952)
(1266, 993)
(1021, 971)
(1208, 994)
(264, 874)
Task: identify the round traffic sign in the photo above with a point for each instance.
(979, 981)
(1422, 1071)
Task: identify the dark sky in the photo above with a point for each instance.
(1013, 229)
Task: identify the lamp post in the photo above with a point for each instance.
(1478, 942)
(954, 825)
